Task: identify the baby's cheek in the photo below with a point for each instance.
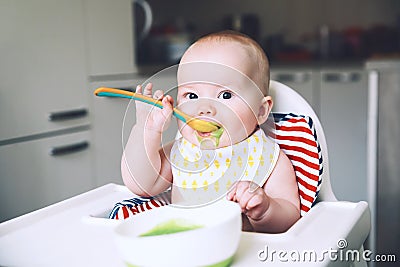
(241, 127)
(186, 106)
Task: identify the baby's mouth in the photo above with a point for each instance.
(214, 135)
(204, 134)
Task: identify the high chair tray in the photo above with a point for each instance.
(75, 232)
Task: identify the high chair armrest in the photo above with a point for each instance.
(328, 230)
(335, 221)
(340, 227)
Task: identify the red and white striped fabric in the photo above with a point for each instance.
(129, 207)
(296, 136)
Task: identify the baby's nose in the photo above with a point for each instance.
(206, 108)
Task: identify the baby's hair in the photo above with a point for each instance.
(253, 48)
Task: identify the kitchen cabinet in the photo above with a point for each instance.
(113, 119)
(343, 114)
(43, 104)
(37, 173)
(304, 81)
(107, 125)
(110, 36)
(339, 95)
(43, 70)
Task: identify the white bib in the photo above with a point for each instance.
(202, 176)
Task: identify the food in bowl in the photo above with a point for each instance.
(175, 236)
(171, 227)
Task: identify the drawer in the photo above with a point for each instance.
(38, 173)
(43, 73)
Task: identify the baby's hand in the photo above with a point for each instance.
(150, 117)
(252, 199)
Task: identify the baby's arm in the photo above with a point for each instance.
(274, 207)
(145, 167)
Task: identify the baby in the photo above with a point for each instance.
(223, 78)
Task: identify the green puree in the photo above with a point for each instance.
(171, 227)
(216, 135)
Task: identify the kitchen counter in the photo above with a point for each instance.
(148, 70)
(151, 69)
(75, 232)
(318, 64)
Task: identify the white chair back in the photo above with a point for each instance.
(286, 100)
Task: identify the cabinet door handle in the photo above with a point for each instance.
(69, 149)
(293, 77)
(343, 77)
(68, 114)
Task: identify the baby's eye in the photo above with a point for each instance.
(191, 96)
(225, 95)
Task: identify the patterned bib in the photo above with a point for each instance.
(202, 176)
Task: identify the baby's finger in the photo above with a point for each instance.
(241, 189)
(255, 207)
(148, 90)
(253, 187)
(242, 197)
(231, 192)
(138, 89)
(159, 94)
(231, 195)
(167, 102)
(253, 202)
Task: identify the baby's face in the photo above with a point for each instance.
(214, 85)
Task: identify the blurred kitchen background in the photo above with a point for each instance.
(58, 140)
(290, 31)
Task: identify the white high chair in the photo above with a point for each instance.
(330, 224)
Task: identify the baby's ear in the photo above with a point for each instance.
(265, 109)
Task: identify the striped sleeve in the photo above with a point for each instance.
(129, 207)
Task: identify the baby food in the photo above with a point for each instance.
(171, 227)
(213, 136)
